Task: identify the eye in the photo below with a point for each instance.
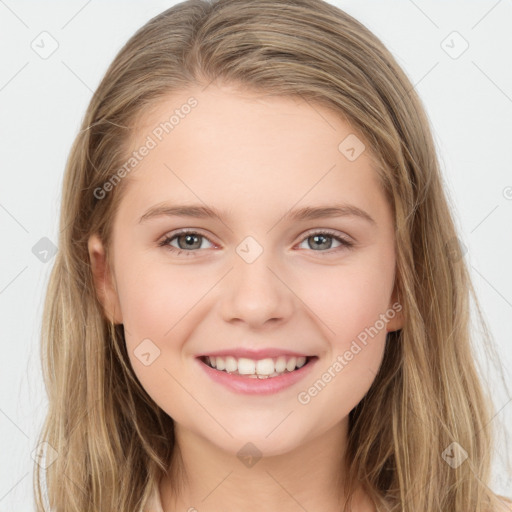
(323, 240)
(187, 241)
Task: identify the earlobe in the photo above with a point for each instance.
(103, 280)
(396, 323)
(395, 312)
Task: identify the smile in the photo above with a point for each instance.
(256, 376)
(252, 368)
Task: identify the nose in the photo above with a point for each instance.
(256, 293)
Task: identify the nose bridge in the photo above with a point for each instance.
(255, 292)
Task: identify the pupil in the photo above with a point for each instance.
(321, 237)
(189, 240)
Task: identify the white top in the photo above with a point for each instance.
(154, 503)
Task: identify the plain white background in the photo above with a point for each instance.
(457, 54)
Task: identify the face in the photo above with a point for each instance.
(279, 275)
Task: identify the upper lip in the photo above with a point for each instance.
(263, 353)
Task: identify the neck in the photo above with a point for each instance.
(205, 478)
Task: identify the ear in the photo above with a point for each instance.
(397, 322)
(103, 280)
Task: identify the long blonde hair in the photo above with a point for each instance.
(111, 441)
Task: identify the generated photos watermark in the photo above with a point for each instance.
(342, 360)
(151, 142)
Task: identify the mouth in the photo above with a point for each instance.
(267, 368)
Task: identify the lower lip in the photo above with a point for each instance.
(256, 386)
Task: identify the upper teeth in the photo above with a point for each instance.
(265, 367)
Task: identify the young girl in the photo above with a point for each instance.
(312, 351)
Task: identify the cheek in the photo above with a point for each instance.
(163, 304)
(158, 307)
(348, 300)
(154, 299)
(351, 303)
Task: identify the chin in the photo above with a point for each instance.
(258, 443)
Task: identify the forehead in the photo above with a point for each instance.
(240, 146)
(226, 114)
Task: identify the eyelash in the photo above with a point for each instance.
(345, 243)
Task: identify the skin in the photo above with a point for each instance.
(254, 158)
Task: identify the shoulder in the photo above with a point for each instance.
(507, 504)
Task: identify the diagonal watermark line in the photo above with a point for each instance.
(279, 424)
(77, 76)
(286, 491)
(194, 193)
(305, 194)
(207, 85)
(494, 416)
(198, 302)
(491, 490)
(15, 485)
(319, 113)
(14, 423)
(14, 76)
(194, 398)
(217, 486)
(14, 218)
(66, 226)
(82, 490)
(76, 14)
(424, 14)
(300, 299)
(418, 82)
(492, 81)
(484, 219)
(14, 14)
(12, 280)
(483, 277)
(499, 1)
(79, 422)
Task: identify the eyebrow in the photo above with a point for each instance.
(300, 214)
